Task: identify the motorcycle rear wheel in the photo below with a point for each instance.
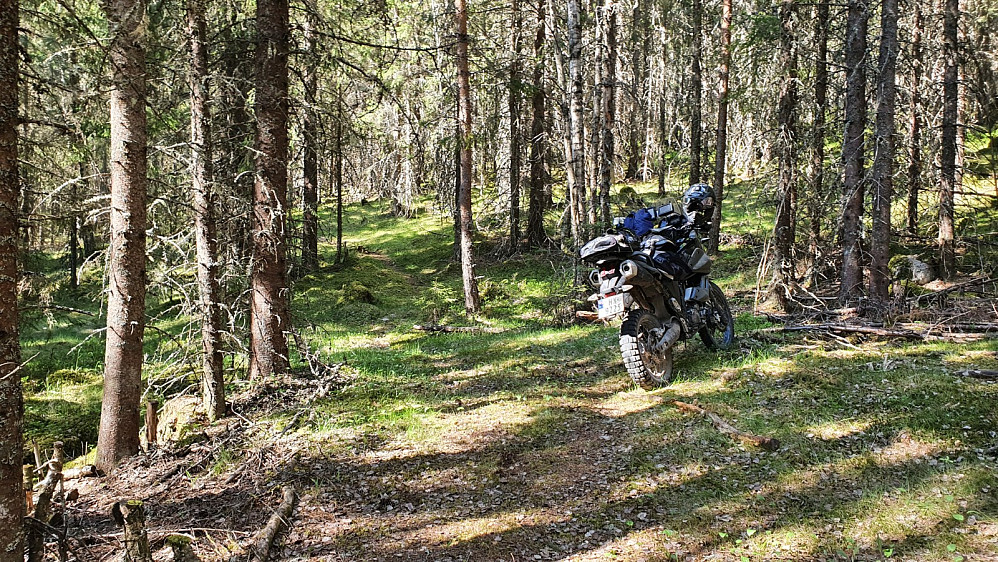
(648, 368)
(719, 330)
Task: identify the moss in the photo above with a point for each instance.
(355, 292)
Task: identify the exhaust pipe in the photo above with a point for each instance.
(670, 336)
(633, 272)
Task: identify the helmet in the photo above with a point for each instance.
(698, 202)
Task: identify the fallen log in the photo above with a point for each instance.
(85, 471)
(472, 329)
(955, 327)
(259, 549)
(980, 374)
(844, 329)
(767, 443)
(958, 287)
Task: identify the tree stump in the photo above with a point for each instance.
(42, 513)
(180, 545)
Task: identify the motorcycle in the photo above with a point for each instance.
(653, 271)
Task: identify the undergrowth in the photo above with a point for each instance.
(886, 454)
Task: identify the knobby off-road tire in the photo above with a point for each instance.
(649, 369)
(719, 329)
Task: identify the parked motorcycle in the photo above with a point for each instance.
(651, 268)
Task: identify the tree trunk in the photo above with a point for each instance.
(213, 385)
(471, 297)
(852, 151)
(456, 254)
(608, 110)
(513, 102)
(118, 436)
(310, 159)
(74, 235)
(722, 125)
(577, 164)
(882, 173)
(816, 181)
(11, 398)
(696, 92)
(948, 149)
(535, 220)
(784, 275)
(270, 317)
(915, 119)
(338, 173)
(663, 144)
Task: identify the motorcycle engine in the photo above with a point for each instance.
(694, 316)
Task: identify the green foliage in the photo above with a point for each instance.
(879, 439)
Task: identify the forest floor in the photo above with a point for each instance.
(527, 440)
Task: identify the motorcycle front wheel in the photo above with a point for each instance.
(650, 369)
(719, 329)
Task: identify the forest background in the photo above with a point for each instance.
(207, 176)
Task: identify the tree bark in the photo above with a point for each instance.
(513, 103)
(118, 436)
(310, 158)
(535, 219)
(270, 317)
(915, 119)
(202, 175)
(722, 125)
(471, 297)
(852, 151)
(948, 146)
(577, 164)
(696, 91)
(784, 232)
(882, 173)
(11, 398)
(608, 110)
(816, 181)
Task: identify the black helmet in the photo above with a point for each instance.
(698, 202)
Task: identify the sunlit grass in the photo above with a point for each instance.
(882, 445)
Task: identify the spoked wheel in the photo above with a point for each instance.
(718, 331)
(638, 334)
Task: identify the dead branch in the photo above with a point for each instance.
(981, 281)
(844, 329)
(980, 374)
(448, 329)
(318, 367)
(767, 443)
(262, 542)
(85, 471)
(957, 327)
(58, 307)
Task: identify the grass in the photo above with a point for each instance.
(533, 439)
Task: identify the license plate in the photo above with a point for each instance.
(610, 306)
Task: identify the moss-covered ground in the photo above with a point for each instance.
(528, 441)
